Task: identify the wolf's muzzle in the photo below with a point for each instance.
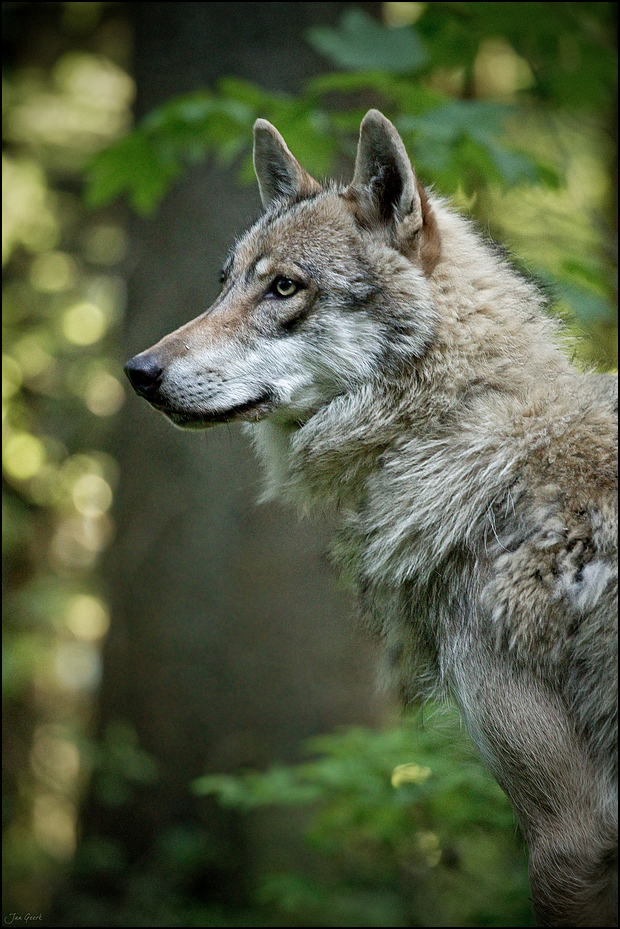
(145, 374)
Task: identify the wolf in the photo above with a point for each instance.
(395, 369)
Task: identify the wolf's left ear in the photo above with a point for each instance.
(278, 172)
(386, 192)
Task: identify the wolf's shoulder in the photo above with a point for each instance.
(556, 537)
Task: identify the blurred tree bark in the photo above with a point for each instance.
(230, 641)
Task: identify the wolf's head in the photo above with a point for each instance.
(329, 289)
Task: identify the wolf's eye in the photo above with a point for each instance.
(284, 287)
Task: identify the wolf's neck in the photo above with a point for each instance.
(493, 330)
(326, 462)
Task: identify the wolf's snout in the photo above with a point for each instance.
(145, 373)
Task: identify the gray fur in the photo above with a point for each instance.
(412, 383)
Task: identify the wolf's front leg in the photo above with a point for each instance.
(574, 878)
(566, 806)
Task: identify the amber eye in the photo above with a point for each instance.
(284, 287)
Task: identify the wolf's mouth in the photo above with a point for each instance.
(146, 373)
(251, 410)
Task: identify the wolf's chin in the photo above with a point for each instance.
(250, 411)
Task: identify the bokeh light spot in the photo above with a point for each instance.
(23, 456)
(104, 394)
(53, 272)
(84, 323)
(92, 495)
(87, 618)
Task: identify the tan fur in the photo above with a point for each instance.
(413, 384)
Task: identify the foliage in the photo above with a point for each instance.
(188, 128)
(412, 829)
(397, 65)
(490, 98)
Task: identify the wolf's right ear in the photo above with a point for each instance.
(279, 173)
(387, 194)
(383, 183)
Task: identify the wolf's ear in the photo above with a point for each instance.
(383, 181)
(278, 171)
(386, 192)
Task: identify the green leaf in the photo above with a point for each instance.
(252, 96)
(276, 787)
(464, 133)
(514, 167)
(458, 118)
(399, 94)
(133, 166)
(187, 108)
(360, 43)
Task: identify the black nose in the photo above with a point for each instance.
(145, 373)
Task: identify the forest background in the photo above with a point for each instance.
(192, 734)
